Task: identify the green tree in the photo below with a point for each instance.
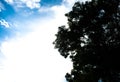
(92, 41)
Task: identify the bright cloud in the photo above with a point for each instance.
(25, 3)
(32, 3)
(32, 58)
(4, 23)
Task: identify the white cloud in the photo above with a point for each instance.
(32, 58)
(4, 23)
(32, 3)
(24, 3)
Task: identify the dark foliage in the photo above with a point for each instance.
(92, 41)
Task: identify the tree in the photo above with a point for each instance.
(92, 41)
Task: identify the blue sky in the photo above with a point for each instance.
(27, 29)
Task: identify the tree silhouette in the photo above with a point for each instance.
(92, 41)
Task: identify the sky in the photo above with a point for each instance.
(27, 30)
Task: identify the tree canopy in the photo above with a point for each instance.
(92, 41)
